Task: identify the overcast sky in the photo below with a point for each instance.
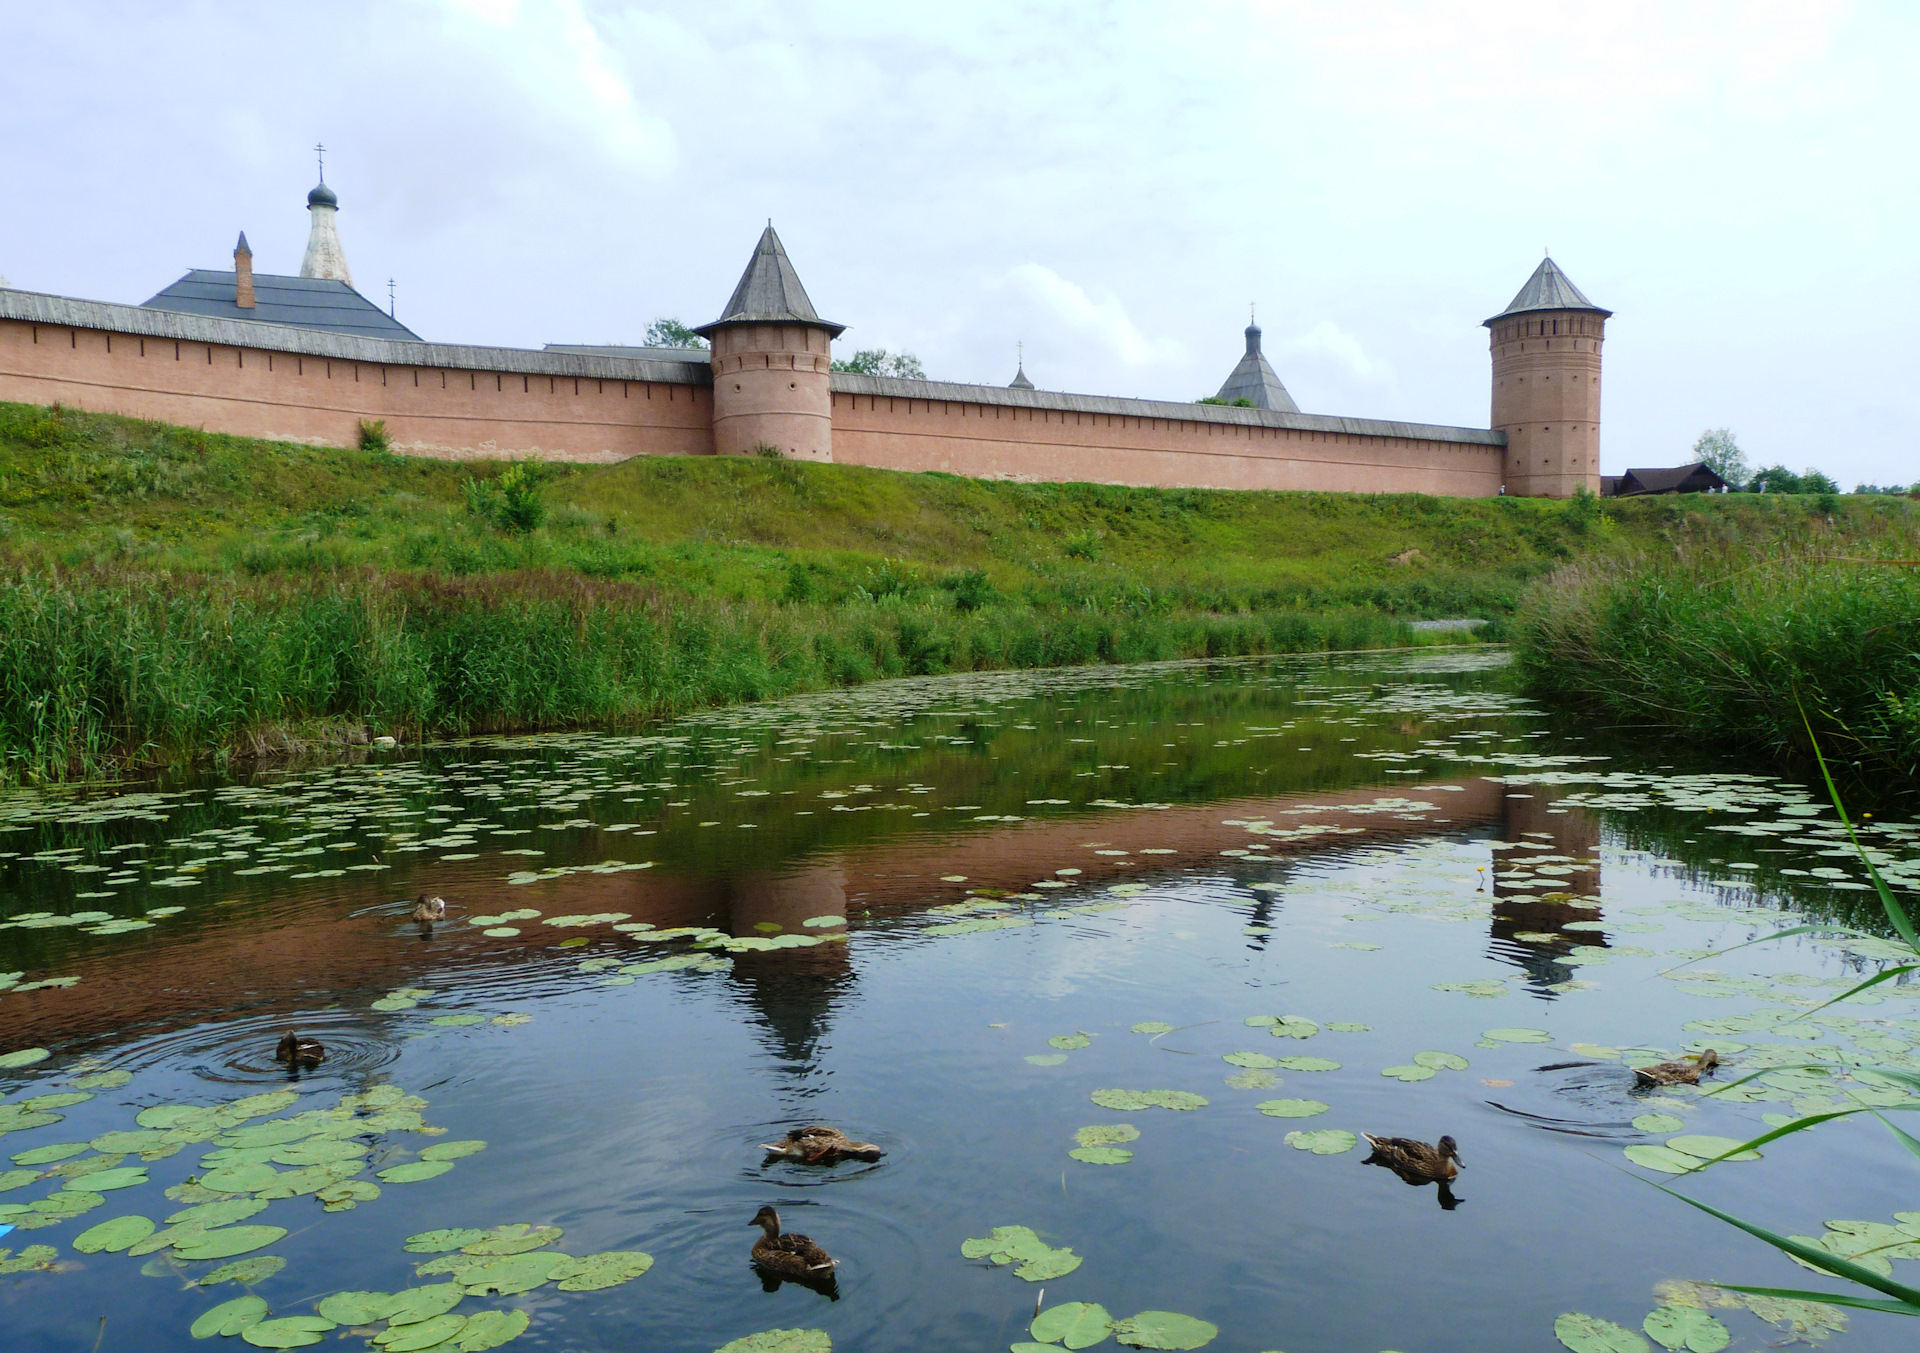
(1112, 184)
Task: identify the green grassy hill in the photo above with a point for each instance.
(175, 593)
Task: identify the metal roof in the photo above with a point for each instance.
(770, 292)
(1698, 478)
(1020, 381)
(322, 196)
(1547, 289)
(1253, 379)
(627, 350)
(308, 302)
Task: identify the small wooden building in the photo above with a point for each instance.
(1679, 479)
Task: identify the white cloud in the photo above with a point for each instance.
(1327, 345)
(1065, 313)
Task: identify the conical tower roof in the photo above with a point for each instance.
(1548, 289)
(770, 292)
(1020, 381)
(1254, 381)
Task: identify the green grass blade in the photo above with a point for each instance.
(1766, 939)
(1812, 1254)
(1786, 1130)
(1829, 1298)
(1896, 913)
(1907, 1139)
(1886, 976)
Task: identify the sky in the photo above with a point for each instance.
(1111, 185)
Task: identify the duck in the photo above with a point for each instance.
(430, 909)
(822, 1145)
(296, 1051)
(789, 1256)
(1687, 1071)
(1415, 1161)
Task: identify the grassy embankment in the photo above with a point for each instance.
(171, 594)
(1726, 637)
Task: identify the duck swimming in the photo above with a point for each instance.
(1415, 1161)
(822, 1145)
(1687, 1071)
(789, 1256)
(296, 1051)
(430, 909)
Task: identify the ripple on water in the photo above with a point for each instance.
(240, 1051)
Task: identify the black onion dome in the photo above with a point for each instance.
(322, 196)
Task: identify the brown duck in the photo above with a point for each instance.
(1415, 1161)
(430, 909)
(297, 1051)
(790, 1255)
(1687, 1071)
(822, 1145)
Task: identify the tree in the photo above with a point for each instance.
(1775, 479)
(1719, 452)
(880, 362)
(667, 332)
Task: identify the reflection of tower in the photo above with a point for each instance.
(1546, 386)
(1574, 833)
(792, 990)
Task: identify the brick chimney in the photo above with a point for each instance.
(243, 274)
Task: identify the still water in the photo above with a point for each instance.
(1227, 914)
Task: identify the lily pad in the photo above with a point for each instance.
(239, 1178)
(426, 1334)
(441, 1242)
(64, 1100)
(1253, 1080)
(113, 1236)
(1107, 1134)
(1309, 1064)
(515, 1238)
(1070, 1042)
(416, 1304)
(1130, 1101)
(12, 1061)
(103, 1080)
(414, 1171)
(1678, 1327)
(457, 1021)
(1441, 1061)
(356, 1308)
(105, 1181)
(1293, 1026)
(1073, 1324)
(490, 1329)
(1164, 1329)
(1659, 1122)
(781, 1341)
(1591, 1334)
(1291, 1108)
(246, 1272)
(1347, 1026)
(1325, 1142)
(1409, 1073)
(1053, 1264)
(47, 1155)
(1520, 1036)
(591, 1272)
(1706, 1147)
(1152, 1026)
(347, 1194)
(1101, 1155)
(1254, 1060)
(509, 1275)
(289, 1331)
(228, 1241)
(1047, 1058)
(452, 1150)
(229, 1317)
(1661, 1158)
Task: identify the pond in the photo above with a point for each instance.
(1123, 957)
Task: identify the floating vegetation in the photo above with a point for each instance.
(1323, 1142)
(1130, 1101)
(1072, 1324)
(1291, 1108)
(1165, 1330)
(1035, 1260)
(781, 1341)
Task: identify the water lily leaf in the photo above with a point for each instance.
(18, 1118)
(1107, 1134)
(452, 1150)
(64, 1100)
(1152, 1026)
(47, 1155)
(105, 1181)
(32, 1257)
(1004, 1244)
(319, 1151)
(1073, 1324)
(1293, 1026)
(516, 1238)
(1309, 1064)
(166, 1116)
(1070, 1042)
(591, 1272)
(239, 1178)
(506, 1276)
(440, 1242)
(1520, 1036)
(1677, 1327)
(1441, 1061)
(256, 1106)
(1255, 1060)
(1047, 1058)
(246, 1272)
(12, 1061)
(228, 1241)
(1101, 1155)
(1044, 1268)
(15, 1179)
(1253, 1080)
(1591, 1334)
(457, 1021)
(425, 1334)
(416, 1304)
(113, 1236)
(347, 1194)
(414, 1171)
(103, 1080)
(356, 1308)
(229, 1317)
(781, 1341)
(1659, 1122)
(1291, 1108)
(71, 1202)
(490, 1329)
(1409, 1073)
(1345, 1026)
(1128, 1101)
(289, 1331)
(1325, 1142)
(1164, 1329)
(1706, 1147)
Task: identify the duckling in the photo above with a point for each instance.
(430, 909)
(1687, 1071)
(789, 1256)
(296, 1051)
(1415, 1161)
(822, 1145)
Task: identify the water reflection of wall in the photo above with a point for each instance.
(1531, 820)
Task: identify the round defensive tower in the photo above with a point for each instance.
(1546, 386)
(771, 362)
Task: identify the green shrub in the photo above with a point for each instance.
(510, 501)
(373, 436)
(1084, 545)
(971, 589)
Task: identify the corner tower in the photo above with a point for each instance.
(771, 357)
(1546, 386)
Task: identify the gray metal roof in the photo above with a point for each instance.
(1548, 289)
(626, 350)
(851, 383)
(1252, 379)
(309, 302)
(770, 291)
(1020, 381)
(37, 308)
(243, 247)
(322, 196)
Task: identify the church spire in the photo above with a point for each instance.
(324, 256)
